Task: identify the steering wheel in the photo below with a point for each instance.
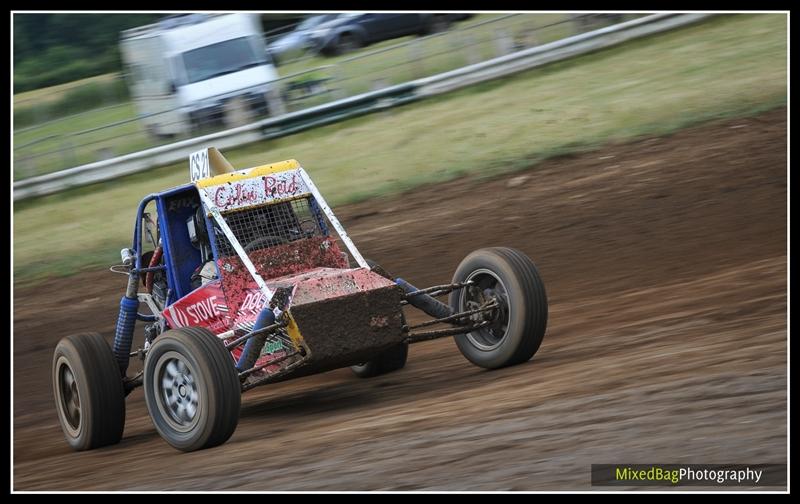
(308, 227)
(265, 241)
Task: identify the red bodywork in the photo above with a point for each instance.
(315, 269)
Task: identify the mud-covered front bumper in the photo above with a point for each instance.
(346, 330)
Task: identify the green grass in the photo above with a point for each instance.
(732, 65)
(73, 140)
(58, 146)
(408, 58)
(55, 93)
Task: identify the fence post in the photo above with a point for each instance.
(456, 42)
(338, 78)
(472, 55)
(379, 83)
(24, 168)
(415, 55)
(69, 149)
(275, 102)
(502, 42)
(526, 37)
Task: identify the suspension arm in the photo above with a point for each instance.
(233, 344)
(439, 333)
(437, 290)
(273, 377)
(456, 318)
(244, 374)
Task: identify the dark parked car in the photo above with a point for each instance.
(296, 42)
(351, 31)
(593, 21)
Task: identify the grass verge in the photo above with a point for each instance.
(732, 65)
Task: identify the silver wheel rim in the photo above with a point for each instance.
(486, 285)
(176, 391)
(69, 401)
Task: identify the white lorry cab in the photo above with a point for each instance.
(191, 71)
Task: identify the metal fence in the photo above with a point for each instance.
(382, 99)
(114, 130)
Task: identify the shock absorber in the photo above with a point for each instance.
(424, 302)
(126, 322)
(252, 349)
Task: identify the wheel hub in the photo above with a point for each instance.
(486, 289)
(70, 399)
(179, 394)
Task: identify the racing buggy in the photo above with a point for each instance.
(246, 277)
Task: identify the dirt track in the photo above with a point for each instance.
(665, 263)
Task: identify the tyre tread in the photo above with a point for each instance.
(534, 303)
(225, 403)
(103, 381)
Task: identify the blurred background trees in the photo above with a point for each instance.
(51, 49)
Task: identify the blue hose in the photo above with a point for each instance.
(123, 338)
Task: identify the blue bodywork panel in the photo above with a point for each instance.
(181, 259)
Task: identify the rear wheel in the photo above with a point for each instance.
(508, 278)
(192, 389)
(391, 359)
(87, 385)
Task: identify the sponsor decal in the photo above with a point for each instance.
(176, 317)
(253, 302)
(179, 203)
(272, 347)
(203, 307)
(203, 310)
(277, 187)
(253, 191)
(235, 195)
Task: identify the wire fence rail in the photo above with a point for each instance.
(513, 51)
(306, 81)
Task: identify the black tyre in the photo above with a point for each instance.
(192, 389)
(519, 323)
(390, 360)
(347, 43)
(87, 385)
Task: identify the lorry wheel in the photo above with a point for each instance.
(87, 385)
(518, 324)
(390, 360)
(192, 389)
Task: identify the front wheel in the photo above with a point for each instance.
(87, 385)
(192, 389)
(507, 278)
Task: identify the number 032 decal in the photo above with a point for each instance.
(198, 165)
